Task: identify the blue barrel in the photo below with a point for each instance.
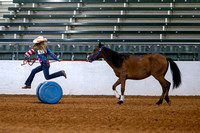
(49, 92)
(37, 91)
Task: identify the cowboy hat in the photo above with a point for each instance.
(39, 39)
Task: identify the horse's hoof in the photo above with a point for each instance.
(169, 103)
(120, 102)
(159, 102)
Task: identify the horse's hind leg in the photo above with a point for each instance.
(167, 92)
(165, 88)
(114, 88)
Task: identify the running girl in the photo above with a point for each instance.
(41, 50)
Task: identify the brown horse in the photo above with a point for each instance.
(127, 66)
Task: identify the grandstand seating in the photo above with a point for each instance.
(106, 1)
(74, 27)
(4, 4)
(99, 8)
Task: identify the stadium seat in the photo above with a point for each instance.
(104, 1)
(101, 8)
(75, 27)
(6, 56)
(80, 56)
(67, 56)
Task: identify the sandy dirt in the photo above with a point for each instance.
(91, 114)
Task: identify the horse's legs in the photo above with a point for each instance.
(114, 88)
(123, 81)
(167, 92)
(165, 88)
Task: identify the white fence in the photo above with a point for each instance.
(95, 78)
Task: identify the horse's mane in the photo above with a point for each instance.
(115, 58)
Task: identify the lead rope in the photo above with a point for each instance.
(33, 60)
(30, 62)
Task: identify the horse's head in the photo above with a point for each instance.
(96, 53)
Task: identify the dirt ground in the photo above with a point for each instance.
(91, 114)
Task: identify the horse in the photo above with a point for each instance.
(126, 66)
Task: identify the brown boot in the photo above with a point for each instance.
(26, 87)
(64, 74)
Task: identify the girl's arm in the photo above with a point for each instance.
(29, 53)
(52, 54)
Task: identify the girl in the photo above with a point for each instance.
(41, 50)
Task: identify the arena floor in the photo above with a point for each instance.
(91, 114)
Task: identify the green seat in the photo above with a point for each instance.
(7, 48)
(186, 57)
(21, 56)
(6, 56)
(174, 56)
(74, 48)
(167, 48)
(68, 48)
(54, 48)
(119, 48)
(136, 49)
(162, 48)
(157, 48)
(141, 48)
(80, 56)
(191, 48)
(91, 48)
(4, 47)
(128, 48)
(24, 48)
(175, 48)
(82, 48)
(12, 48)
(67, 56)
(148, 48)
(195, 57)
(144, 48)
(111, 47)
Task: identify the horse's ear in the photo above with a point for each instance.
(104, 44)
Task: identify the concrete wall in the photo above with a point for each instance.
(95, 78)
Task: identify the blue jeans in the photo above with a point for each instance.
(45, 67)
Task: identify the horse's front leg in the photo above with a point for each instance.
(114, 88)
(123, 82)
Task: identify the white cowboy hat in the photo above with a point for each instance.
(39, 39)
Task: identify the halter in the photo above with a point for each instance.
(96, 54)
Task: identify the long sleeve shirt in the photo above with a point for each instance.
(42, 56)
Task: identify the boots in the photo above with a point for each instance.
(26, 87)
(64, 74)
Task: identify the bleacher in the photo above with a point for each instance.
(4, 4)
(74, 27)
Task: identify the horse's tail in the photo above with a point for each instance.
(176, 74)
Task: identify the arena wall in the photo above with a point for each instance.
(95, 78)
